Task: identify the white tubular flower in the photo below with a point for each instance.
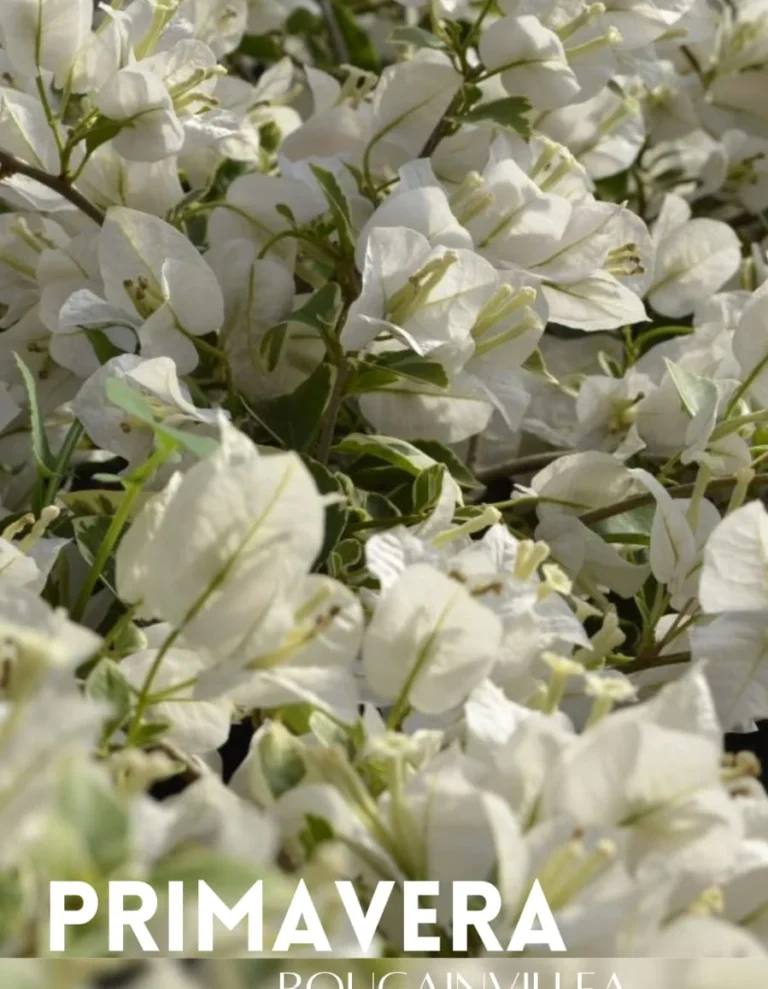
(426, 298)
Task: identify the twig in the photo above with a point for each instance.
(338, 42)
(522, 465)
(325, 440)
(190, 765)
(10, 165)
(640, 666)
(722, 485)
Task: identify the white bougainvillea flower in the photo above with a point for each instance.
(734, 576)
(406, 106)
(55, 725)
(197, 727)
(580, 481)
(151, 100)
(694, 258)
(734, 651)
(531, 60)
(429, 642)
(226, 583)
(513, 221)
(154, 274)
(139, 102)
(27, 555)
(45, 35)
(250, 213)
(643, 21)
(593, 280)
(219, 23)
(37, 638)
(605, 133)
(750, 344)
(258, 295)
(427, 298)
(671, 806)
(313, 663)
(419, 410)
(457, 831)
(25, 133)
(583, 553)
(423, 208)
(113, 429)
(108, 179)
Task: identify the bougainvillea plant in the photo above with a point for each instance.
(383, 420)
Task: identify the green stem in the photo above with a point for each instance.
(133, 488)
(40, 85)
(68, 448)
(325, 441)
(143, 700)
(746, 384)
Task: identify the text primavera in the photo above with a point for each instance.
(302, 925)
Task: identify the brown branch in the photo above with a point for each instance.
(11, 165)
(521, 465)
(722, 485)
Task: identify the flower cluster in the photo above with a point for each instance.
(383, 393)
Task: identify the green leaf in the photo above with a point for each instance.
(86, 803)
(361, 50)
(132, 402)
(427, 487)
(271, 345)
(296, 418)
(322, 310)
(336, 515)
(103, 130)
(281, 760)
(90, 532)
(695, 393)
(416, 37)
(46, 462)
(375, 373)
(444, 455)
(149, 732)
(103, 347)
(634, 524)
(347, 556)
(404, 455)
(265, 47)
(509, 112)
(106, 683)
(339, 208)
(201, 446)
(658, 334)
